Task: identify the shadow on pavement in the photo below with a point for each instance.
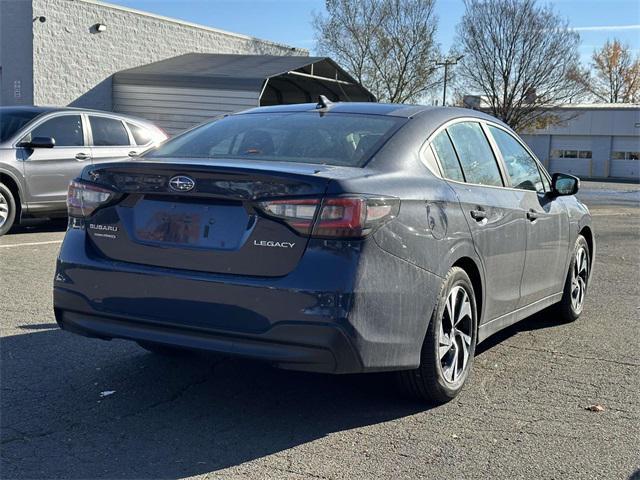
(168, 418)
(544, 319)
(46, 225)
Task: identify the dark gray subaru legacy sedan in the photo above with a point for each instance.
(338, 237)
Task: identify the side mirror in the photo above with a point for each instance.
(564, 184)
(39, 142)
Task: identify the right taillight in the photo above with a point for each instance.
(334, 217)
(84, 198)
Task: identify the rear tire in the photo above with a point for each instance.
(449, 345)
(164, 350)
(7, 209)
(576, 283)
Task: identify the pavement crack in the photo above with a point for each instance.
(572, 355)
(176, 395)
(27, 437)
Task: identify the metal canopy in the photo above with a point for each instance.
(277, 79)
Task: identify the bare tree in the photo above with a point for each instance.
(614, 75)
(521, 57)
(387, 45)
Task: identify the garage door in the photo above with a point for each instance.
(625, 161)
(571, 154)
(175, 109)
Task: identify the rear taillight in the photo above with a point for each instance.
(84, 198)
(297, 213)
(334, 217)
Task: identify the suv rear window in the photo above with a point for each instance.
(108, 132)
(309, 137)
(141, 135)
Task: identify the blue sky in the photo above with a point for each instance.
(288, 21)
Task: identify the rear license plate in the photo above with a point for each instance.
(190, 224)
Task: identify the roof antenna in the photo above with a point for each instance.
(323, 102)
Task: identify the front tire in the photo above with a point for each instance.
(576, 283)
(7, 209)
(449, 345)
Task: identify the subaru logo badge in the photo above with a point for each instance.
(182, 183)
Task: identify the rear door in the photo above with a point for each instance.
(546, 218)
(110, 139)
(497, 228)
(48, 171)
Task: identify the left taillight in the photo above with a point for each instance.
(84, 198)
(353, 216)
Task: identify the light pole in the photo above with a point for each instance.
(445, 63)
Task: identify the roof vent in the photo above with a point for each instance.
(323, 102)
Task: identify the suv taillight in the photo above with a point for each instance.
(334, 217)
(84, 198)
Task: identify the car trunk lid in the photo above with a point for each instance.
(202, 216)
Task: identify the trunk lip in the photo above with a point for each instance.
(209, 164)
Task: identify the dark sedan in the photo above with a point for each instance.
(334, 238)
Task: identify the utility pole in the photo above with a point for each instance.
(445, 63)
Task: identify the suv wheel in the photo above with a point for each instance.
(449, 346)
(7, 209)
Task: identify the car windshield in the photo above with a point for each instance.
(13, 120)
(308, 137)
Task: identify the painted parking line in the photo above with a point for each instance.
(29, 244)
(624, 214)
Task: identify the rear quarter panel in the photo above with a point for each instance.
(401, 270)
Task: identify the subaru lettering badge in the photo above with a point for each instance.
(182, 183)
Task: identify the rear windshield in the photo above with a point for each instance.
(13, 120)
(309, 137)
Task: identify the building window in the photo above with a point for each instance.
(570, 153)
(625, 155)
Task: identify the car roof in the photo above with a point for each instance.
(372, 108)
(38, 110)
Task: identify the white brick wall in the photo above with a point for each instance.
(73, 66)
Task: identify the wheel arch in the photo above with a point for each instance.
(13, 186)
(472, 269)
(587, 233)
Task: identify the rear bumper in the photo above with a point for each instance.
(297, 346)
(334, 313)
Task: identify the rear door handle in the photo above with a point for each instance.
(82, 156)
(532, 215)
(133, 153)
(478, 215)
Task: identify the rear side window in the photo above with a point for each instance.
(309, 137)
(141, 135)
(522, 168)
(447, 156)
(108, 132)
(65, 130)
(476, 157)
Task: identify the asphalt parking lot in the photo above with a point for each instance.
(522, 414)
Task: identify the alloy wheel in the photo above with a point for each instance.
(579, 280)
(4, 210)
(456, 329)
